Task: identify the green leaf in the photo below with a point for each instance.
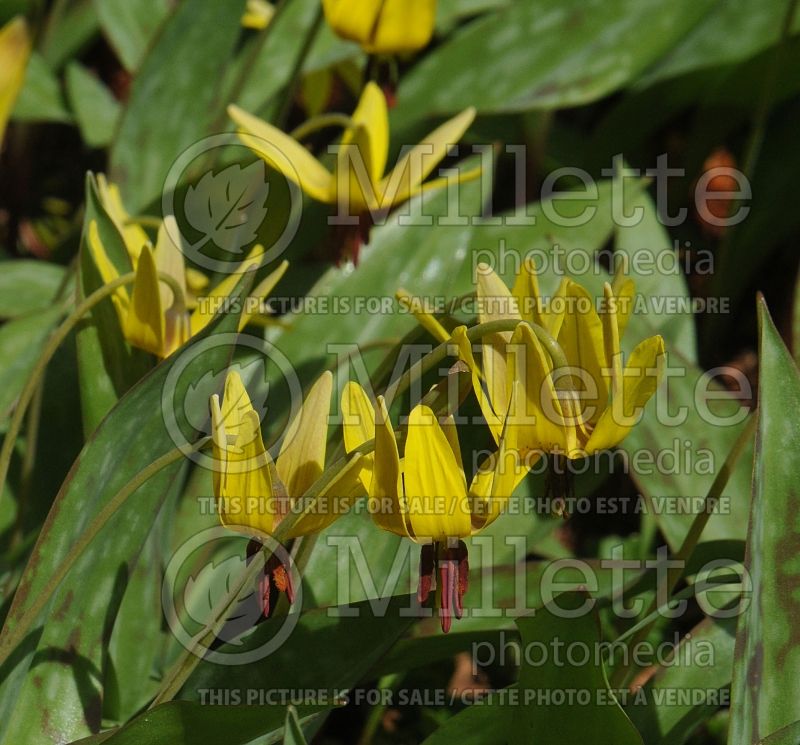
(41, 98)
(293, 731)
(546, 55)
(27, 285)
(660, 715)
(96, 109)
(70, 28)
(21, 342)
(484, 723)
(788, 735)
(766, 679)
(131, 26)
(174, 98)
(541, 711)
(189, 723)
(64, 657)
(732, 32)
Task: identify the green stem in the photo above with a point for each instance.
(317, 123)
(673, 575)
(10, 638)
(53, 343)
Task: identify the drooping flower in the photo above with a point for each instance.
(358, 184)
(383, 26)
(154, 315)
(424, 495)
(254, 494)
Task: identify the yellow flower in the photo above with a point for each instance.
(153, 315)
(254, 494)
(424, 495)
(357, 184)
(383, 26)
(578, 398)
(135, 237)
(257, 14)
(15, 49)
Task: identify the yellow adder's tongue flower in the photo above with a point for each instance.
(424, 496)
(383, 26)
(254, 494)
(154, 316)
(358, 184)
(15, 49)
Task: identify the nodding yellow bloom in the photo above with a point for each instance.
(15, 49)
(154, 314)
(424, 495)
(577, 398)
(135, 237)
(383, 26)
(258, 14)
(254, 493)
(358, 184)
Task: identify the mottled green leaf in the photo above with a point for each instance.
(766, 679)
(27, 285)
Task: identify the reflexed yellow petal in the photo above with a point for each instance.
(427, 320)
(144, 322)
(133, 235)
(493, 420)
(301, 460)
(581, 338)
(536, 413)
(462, 177)
(356, 190)
(372, 117)
(403, 26)
(284, 154)
(358, 425)
(386, 504)
(15, 49)
(639, 383)
(352, 20)
(435, 485)
(108, 272)
(419, 161)
(245, 497)
(613, 355)
(261, 292)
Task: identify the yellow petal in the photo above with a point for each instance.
(464, 345)
(358, 424)
(640, 381)
(258, 14)
(284, 154)
(425, 319)
(352, 20)
(413, 167)
(385, 503)
(261, 292)
(144, 323)
(536, 413)
(243, 487)
(372, 116)
(133, 235)
(624, 293)
(15, 49)
(613, 355)
(581, 338)
(435, 485)
(403, 26)
(108, 272)
(301, 460)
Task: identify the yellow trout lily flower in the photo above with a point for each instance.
(154, 315)
(15, 49)
(254, 493)
(383, 26)
(358, 184)
(134, 236)
(257, 14)
(424, 495)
